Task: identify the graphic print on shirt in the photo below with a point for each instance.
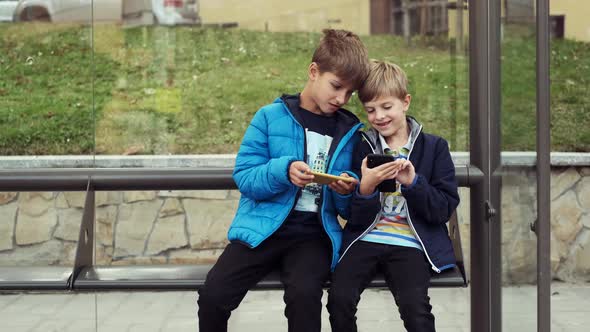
(318, 147)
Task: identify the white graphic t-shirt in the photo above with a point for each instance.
(318, 146)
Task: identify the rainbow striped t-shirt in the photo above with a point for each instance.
(392, 227)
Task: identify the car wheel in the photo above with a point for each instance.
(37, 14)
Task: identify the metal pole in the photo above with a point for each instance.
(543, 228)
(484, 105)
(495, 135)
(460, 35)
(478, 148)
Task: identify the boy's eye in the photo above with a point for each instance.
(369, 110)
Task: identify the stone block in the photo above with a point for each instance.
(208, 222)
(61, 202)
(41, 254)
(563, 181)
(104, 255)
(583, 193)
(582, 257)
(75, 198)
(169, 233)
(106, 217)
(135, 223)
(35, 229)
(7, 221)
(171, 207)
(137, 196)
(69, 222)
(565, 217)
(7, 197)
(34, 204)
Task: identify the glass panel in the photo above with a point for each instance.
(46, 86)
(162, 227)
(175, 87)
(570, 204)
(518, 89)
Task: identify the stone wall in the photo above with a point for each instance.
(178, 227)
(570, 224)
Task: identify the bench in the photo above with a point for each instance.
(85, 276)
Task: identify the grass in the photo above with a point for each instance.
(190, 90)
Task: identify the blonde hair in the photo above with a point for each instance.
(342, 53)
(385, 79)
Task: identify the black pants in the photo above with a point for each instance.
(406, 272)
(304, 265)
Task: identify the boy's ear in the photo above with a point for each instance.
(407, 101)
(313, 71)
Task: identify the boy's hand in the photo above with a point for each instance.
(299, 174)
(341, 187)
(373, 176)
(406, 172)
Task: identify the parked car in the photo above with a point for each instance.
(7, 10)
(169, 12)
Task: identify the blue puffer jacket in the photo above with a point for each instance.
(431, 200)
(274, 139)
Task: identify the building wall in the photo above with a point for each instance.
(280, 15)
(577, 25)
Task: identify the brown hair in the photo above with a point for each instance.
(342, 53)
(385, 79)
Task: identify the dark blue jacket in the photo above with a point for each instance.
(431, 200)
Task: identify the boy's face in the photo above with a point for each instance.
(387, 114)
(329, 92)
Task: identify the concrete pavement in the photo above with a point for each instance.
(263, 311)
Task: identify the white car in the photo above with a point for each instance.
(169, 12)
(7, 8)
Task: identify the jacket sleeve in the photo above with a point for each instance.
(257, 175)
(434, 201)
(342, 202)
(363, 209)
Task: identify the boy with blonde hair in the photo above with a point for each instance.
(403, 232)
(284, 220)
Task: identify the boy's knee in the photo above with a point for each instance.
(303, 292)
(413, 304)
(341, 297)
(212, 297)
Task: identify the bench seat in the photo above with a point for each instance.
(35, 277)
(192, 277)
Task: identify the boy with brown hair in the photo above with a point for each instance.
(284, 220)
(400, 230)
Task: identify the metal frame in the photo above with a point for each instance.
(543, 226)
(484, 105)
(485, 96)
(84, 275)
(483, 175)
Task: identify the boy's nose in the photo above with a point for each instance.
(341, 98)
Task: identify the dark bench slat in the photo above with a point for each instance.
(173, 277)
(35, 278)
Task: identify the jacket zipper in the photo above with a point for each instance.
(368, 229)
(321, 205)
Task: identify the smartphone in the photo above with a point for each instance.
(323, 178)
(374, 160)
